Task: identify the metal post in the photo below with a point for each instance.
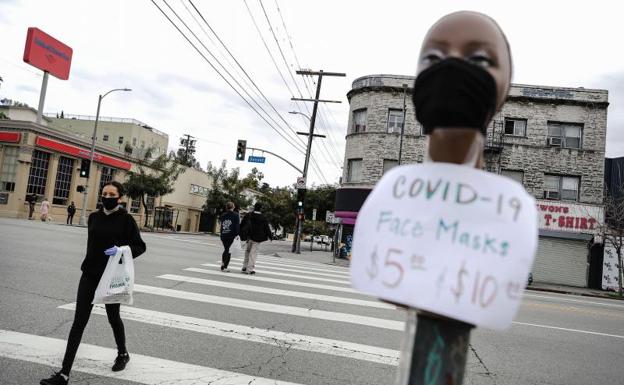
(42, 95)
(403, 124)
(83, 219)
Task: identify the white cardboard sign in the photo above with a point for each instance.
(448, 239)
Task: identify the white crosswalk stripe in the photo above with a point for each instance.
(275, 280)
(251, 334)
(281, 267)
(339, 281)
(141, 369)
(268, 290)
(275, 261)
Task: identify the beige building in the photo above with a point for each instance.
(41, 159)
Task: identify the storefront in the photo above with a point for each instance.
(567, 232)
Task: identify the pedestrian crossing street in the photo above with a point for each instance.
(301, 293)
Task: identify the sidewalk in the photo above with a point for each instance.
(582, 291)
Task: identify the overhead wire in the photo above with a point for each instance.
(219, 73)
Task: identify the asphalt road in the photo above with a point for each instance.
(295, 322)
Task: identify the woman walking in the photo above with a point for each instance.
(108, 228)
(45, 209)
(230, 222)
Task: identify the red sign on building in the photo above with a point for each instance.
(10, 136)
(82, 153)
(48, 54)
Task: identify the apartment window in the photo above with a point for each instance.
(388, 164)
(105, 138)
(515, 127)
(199, 190)
(63, 181)
(38, 175)
(518, 176)
(120, 140)
(107, 176)
(566, 135)
(359, 120)
(354, 170)
(149, 204)
(395, 121)
(135, 206)
(134, 141)
(559, 187)
(9, 169)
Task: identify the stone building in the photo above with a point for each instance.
(550, 139)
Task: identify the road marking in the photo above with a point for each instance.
(272, 308)
(287, 293)
(300, 276)
(568, 330)
(252, 334)
(184, 240)
(141, 369)
(617, 305)
(296, 269)
(300, 262)
(317, 267)
(277, 280)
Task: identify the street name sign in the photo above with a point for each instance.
(256, 159)
(448, 239)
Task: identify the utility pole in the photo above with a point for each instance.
(311, 135)
(189, 148)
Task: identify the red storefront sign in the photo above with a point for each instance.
(569, 217)
(48, 54)
(82, 153)
(10, 136)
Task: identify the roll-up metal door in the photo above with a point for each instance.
(561, 261)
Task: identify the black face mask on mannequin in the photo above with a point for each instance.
(110, 203)
(454, 93)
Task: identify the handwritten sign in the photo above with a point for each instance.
(447, 239)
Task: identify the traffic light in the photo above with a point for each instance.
(85, 165)
(241, 147)
(301, 192)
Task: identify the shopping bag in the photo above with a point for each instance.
(237, 245)
(117, 282)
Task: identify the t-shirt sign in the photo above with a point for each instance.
(448, 239)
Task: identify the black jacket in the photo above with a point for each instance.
(106, 231)
(71, 209)
(255, 227)
(230, 224)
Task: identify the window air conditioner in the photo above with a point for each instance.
(552, 194)
(555, 141)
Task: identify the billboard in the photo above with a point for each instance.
(48, 54)
(570, 217)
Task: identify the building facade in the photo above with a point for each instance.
(44, 160)
(550, 139)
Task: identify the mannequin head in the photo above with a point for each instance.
(476, 39)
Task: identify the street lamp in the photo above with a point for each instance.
(83, 218)
(299, 113)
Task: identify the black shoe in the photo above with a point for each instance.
(252, 272)
(222, 267)
(120, 362)
(244, 270)
(56, 379)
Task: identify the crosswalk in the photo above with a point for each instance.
(314, 308)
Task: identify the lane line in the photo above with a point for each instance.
(272, 308)
(287, 267)
(568, 330)
(530, 295)
(238, 275)
(252, 334)
(268, 290)
(141, 369)
(262, 257)
(300, 276)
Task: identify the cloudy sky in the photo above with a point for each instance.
(131, 44)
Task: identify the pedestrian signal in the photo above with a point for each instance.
(85, 165)
(241, 147)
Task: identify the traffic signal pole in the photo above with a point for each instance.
(310, 135)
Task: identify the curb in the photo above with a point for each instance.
(573, 293)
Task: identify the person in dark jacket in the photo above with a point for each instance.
(255, 230)
(108, 228)
(230, 226)
(71, 210)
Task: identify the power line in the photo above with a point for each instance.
(241, 68)
(221, 75)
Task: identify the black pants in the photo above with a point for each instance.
(86, 291)
(225, 257)
(70, 219)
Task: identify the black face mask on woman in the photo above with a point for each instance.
(110, 203)
(454, 93)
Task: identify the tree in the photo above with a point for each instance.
(226, 187)
(321, 198)
(279, 207)
(612, 230)
(153, 177)
(253, 179)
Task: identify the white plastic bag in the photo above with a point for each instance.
(117, 282)
(237, 245)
